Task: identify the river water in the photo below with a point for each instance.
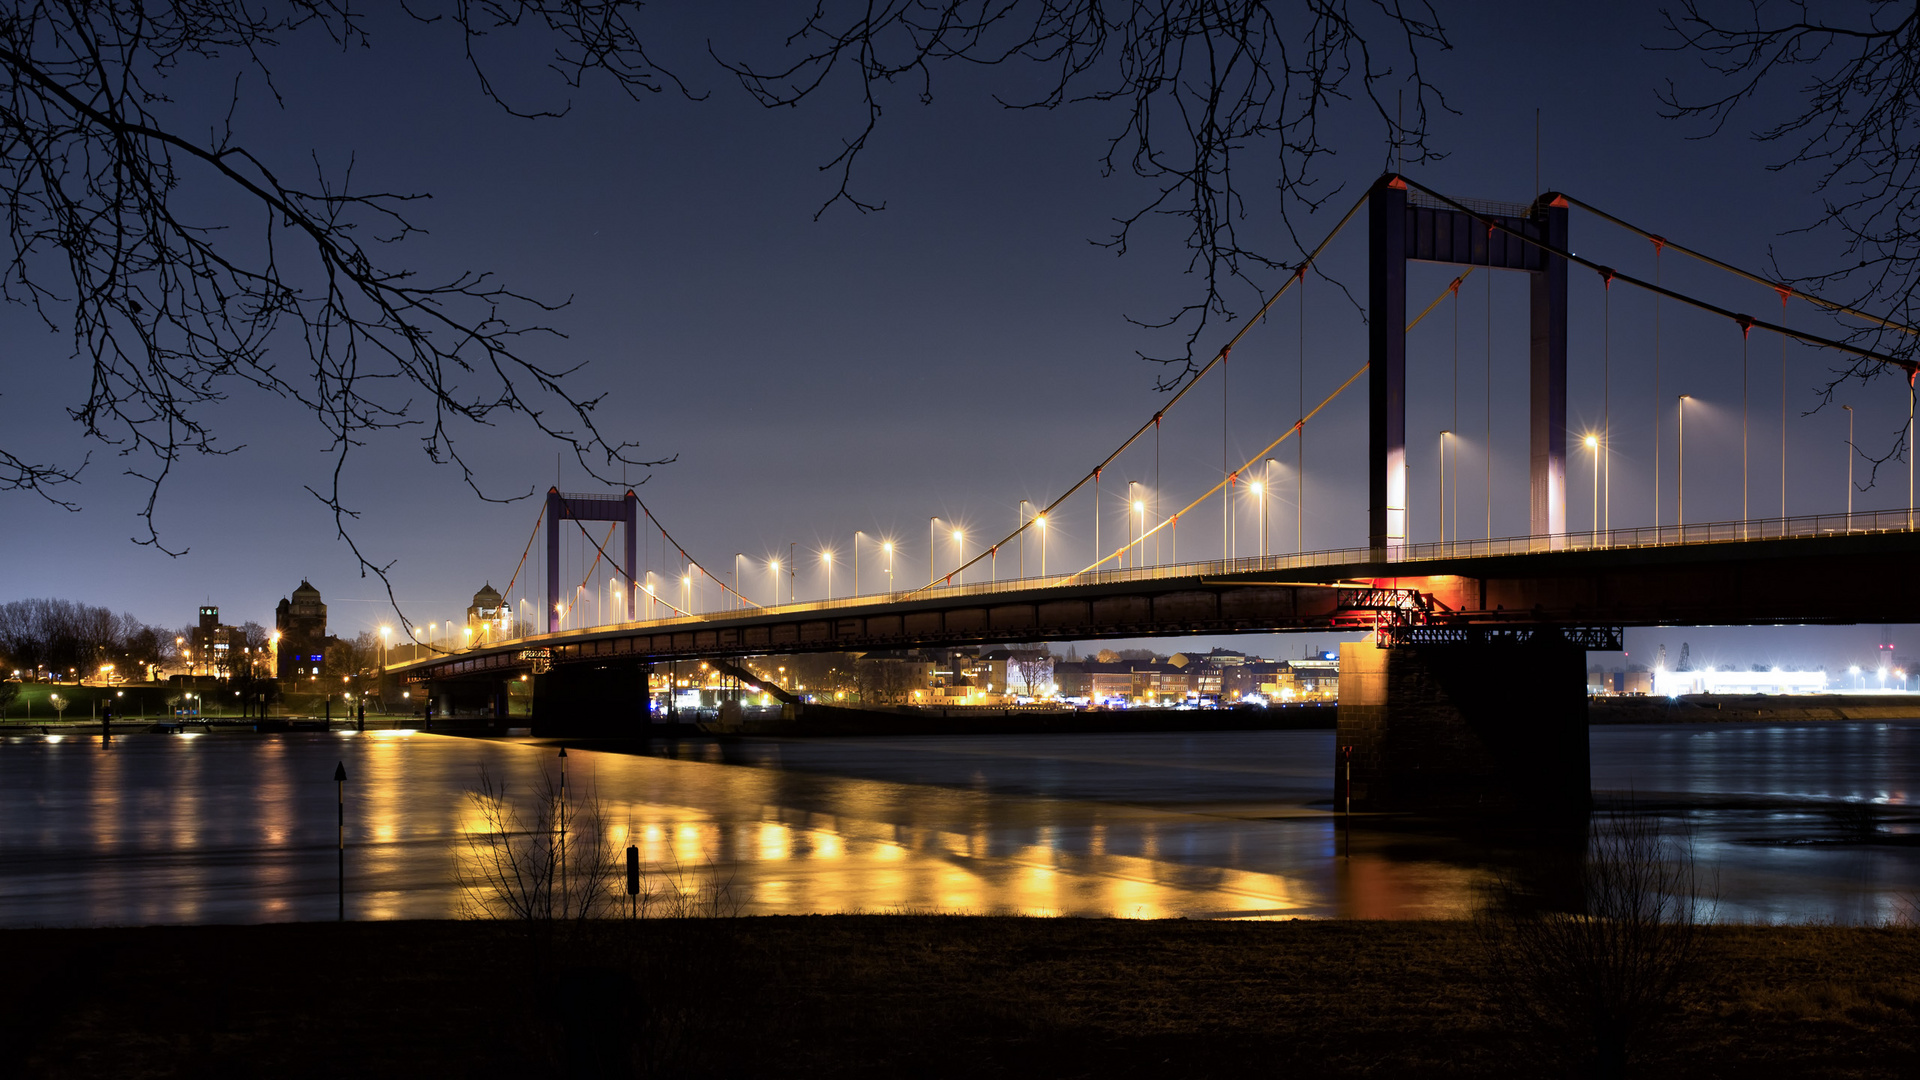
(1787, 823)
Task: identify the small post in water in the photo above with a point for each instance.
(633, 879)
(340, 840)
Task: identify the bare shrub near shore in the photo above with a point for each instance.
(1597, 983)
(595, 998)
(674, 892)
(554, 861)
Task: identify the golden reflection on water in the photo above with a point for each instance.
(242, 828)
(793, 844)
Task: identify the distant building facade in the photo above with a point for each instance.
(302, 624)
(213, 645)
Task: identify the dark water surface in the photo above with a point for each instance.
(1789, 822)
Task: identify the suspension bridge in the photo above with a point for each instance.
(1420, 725)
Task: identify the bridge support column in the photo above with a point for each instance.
(1486, 727)
(582, 699)
(468, 700)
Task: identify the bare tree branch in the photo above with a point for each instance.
(173, 312)
(105, 179)
(1188, 85)
(1854, 72)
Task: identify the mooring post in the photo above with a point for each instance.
(340, 839)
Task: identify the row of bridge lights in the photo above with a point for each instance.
(1594, 444)
(1257, 488)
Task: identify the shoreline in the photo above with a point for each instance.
(1752, 708)
(827, 721)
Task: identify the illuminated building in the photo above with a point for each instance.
(302, 623)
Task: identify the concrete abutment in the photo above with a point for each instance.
(1478, 728)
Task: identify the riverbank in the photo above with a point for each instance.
(976, 720)
(1752, 708)
(898, 995)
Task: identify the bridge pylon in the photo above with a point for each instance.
(1405, 225)
(620, 508)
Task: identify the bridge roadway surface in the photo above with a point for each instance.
(1787, 572)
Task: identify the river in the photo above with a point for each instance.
(1786, 823)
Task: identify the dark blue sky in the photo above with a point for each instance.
(965, 348)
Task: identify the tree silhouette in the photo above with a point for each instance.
(106, 177)
(1850, 115)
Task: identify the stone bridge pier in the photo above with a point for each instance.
(1476, 726)
(464, 699)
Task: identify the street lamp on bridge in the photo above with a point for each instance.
(1682, 443)
(1593, 447)
(1272, 493)
(1024, 521)
(1849, 409)
(826, 559)
(1140, 516)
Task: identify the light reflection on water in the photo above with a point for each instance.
(1234, 824)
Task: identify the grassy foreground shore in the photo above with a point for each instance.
(899, 995)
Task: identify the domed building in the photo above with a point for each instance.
(302, 622)
(483, 617)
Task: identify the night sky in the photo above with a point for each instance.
(968, 346)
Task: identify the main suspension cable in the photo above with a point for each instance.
(1737, 271)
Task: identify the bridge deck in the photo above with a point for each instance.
(1824, 569)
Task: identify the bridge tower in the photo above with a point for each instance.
(621, 508)
(1408, 225)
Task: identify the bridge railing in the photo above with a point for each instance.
(1715, 532)
(1857, 523)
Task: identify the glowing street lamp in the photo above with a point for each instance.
(1024, 520)
(887, 547)
(1127, 553)
(1267, 475)
(1593, 447)
(1140, 516)
(959, 554)
(1042, 522)
(1849, 409)
(1258, 489)
(826, 558)
(773, 579)
(1682, 407)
